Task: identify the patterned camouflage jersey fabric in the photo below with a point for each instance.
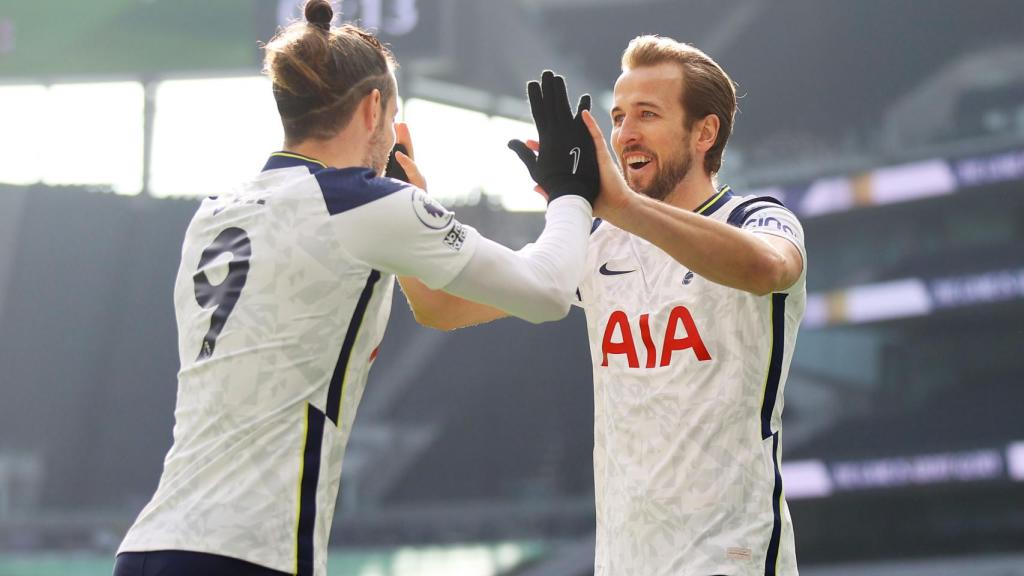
(688, 397)
(282, 298)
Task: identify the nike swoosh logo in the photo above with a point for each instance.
(575, 153)
(604, 270)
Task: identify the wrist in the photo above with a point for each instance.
(571, 202)
(571, 186)
(621, 210)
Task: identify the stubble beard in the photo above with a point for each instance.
(378, 151)
(668, 176)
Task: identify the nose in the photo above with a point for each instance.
(628, 132)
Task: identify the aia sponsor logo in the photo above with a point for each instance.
(681, 336)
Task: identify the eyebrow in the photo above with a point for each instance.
(640, 104)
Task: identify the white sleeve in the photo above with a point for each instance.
(407, 233)
(778, 221)
(536, 284)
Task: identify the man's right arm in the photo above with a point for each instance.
(403, 232)
(536, 285)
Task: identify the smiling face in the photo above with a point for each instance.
(649, 133)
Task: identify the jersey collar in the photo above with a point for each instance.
(717, 200)
(290, 159)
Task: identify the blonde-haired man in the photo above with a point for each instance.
(693, 297)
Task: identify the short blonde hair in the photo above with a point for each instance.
(707, 89)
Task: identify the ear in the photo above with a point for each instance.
(370, 110)
(706, 132)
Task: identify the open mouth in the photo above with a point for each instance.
(637, 162)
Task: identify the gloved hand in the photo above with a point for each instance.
(567, 161)
(394, 169)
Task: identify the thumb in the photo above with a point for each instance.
(604, 157)
(540, 190)
(525, 154)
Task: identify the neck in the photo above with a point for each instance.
(691, 191)
(337, 152)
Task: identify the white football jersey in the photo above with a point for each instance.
(282, 298)
(688, 396)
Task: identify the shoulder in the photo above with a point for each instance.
(767, 215)
(604, 235)
(747, 207)
(601, 230)
(349, 188)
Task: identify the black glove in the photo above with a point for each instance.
(567, 161)
(394, 169)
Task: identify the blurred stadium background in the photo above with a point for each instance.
(894, 128)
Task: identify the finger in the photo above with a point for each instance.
(547, 86)
(603, 154)
(547, 79)
(403, 137)
(560, 103)
(524, 153)
(533, 90)
(416, 178)
(533, 145)
(584, 104)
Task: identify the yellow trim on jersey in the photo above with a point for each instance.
(299, 156)
(777, 456)
(712, 200)
(302, 471)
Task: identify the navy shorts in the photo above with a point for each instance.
(183, 563)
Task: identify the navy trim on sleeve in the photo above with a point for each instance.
(350, 188)
(746, 209)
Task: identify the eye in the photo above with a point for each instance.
(617, 119)
(648, 114)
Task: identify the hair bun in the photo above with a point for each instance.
(319, 13)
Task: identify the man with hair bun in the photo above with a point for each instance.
(284, 291)
(693, 297)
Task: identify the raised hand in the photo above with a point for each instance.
(615, 193)
(566, 163)
(401, 165)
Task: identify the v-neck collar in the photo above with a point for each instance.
(716, 201)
